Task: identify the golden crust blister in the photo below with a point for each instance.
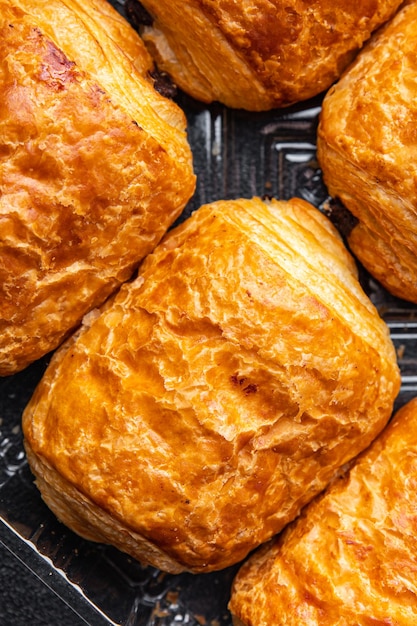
(366, 149)
(259, 55)
(350, 557)
(213, 397)
(95, 166)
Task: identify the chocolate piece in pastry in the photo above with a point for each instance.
(259, 55)
(351, 557)
(216, 394)
(366, 149)
(94, 167)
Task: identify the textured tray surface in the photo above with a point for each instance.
(236, 154)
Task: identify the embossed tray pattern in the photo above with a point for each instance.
(236, 154)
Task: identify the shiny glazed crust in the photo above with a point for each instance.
(366, 148)
(94, 167)
(350, 558)
(259, 55)
(217, 393)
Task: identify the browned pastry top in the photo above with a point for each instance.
(94, 167)
(217, 393)
(260, 54)
(367, 152)
(351, 557)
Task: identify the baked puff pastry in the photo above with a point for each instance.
(258, 55)
(216, 394)
(94, 167)
(351, 557)
(367, 152)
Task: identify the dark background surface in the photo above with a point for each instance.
(26, 600)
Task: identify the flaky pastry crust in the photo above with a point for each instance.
(366, 149)
(350, 558)
(259, 55)
(215, 395)
(94, 167)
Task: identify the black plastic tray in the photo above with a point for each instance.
(236, 154)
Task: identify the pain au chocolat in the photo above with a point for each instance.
(367, 152)
(350, 558)
(214, 396)
(258, 55)
(94, 167)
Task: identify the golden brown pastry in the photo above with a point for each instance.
(259, 55)
(366, 148)
(217, 393)
(351, 557)
(94, 167)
